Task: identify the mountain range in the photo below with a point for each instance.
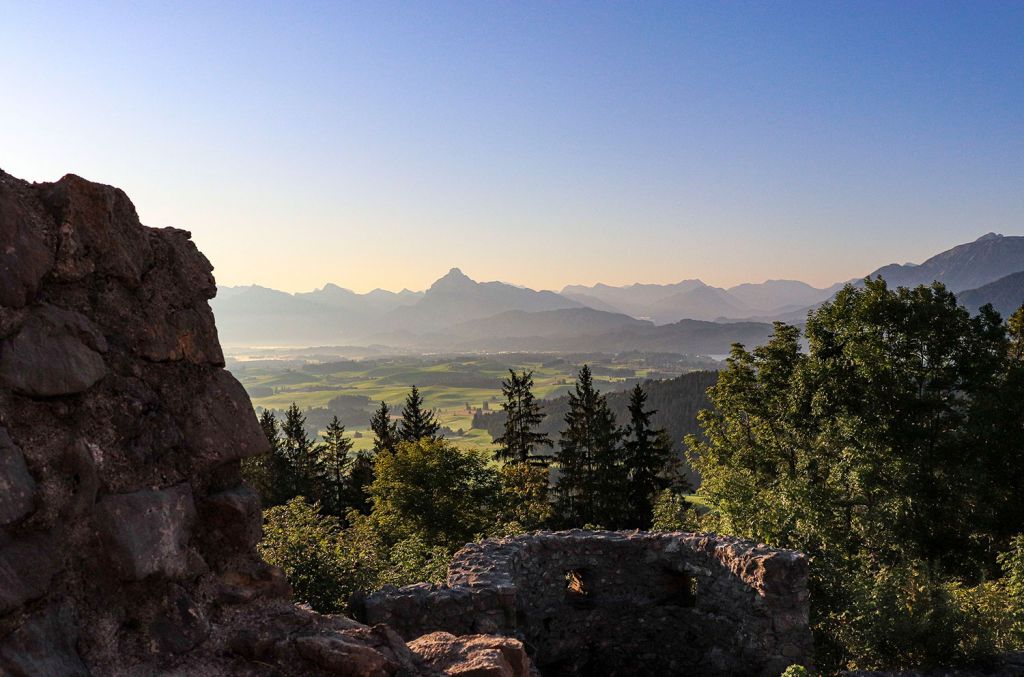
(458, 314)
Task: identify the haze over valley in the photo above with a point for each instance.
(457, 313)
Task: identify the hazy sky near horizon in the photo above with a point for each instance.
(379, 144)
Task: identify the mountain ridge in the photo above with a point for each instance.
(458, 311)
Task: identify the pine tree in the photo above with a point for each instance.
(589, 489)
(333, 467)
(300, 450)
(648, 453)
(417, 421)
(384, 429)
(523, 415)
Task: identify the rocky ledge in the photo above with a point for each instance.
(127, 539)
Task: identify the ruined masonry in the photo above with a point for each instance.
(127, 538)
(613, 603)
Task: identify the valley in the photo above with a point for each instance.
(457, 387)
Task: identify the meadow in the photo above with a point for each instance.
(455, 386)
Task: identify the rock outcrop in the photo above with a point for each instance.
(127, 540)
(612, 603)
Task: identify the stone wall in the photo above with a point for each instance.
(127, 539)
(613, 603)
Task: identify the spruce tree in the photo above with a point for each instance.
(523, 415)
(385, 430)
(589, 489)
(417, 421)
(300, 450)
(268, 473)
(360, 477)
(333, 467)
(648, 453)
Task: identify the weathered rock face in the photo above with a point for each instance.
(607, 603)
(126, 537)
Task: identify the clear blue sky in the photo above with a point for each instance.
(378, 144)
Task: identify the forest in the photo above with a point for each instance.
(884, 439)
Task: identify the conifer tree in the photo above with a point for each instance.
(523, 414)
(268, 473)
(590, 487)
(648, 453)
(360, 477)
(333, 467)
(300, 450)
(268, 422)
(385, 430)
(417, 421)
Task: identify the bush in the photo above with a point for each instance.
(304, 543)
(673, 513)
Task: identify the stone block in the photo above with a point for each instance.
(44, 646)
(147, 532)
(221, 426)
(341, 656)
(27, 565)
(17, 487)
(56, 352)
(232, 519)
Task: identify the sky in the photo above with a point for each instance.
(380, 144)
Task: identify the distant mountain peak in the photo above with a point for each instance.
(453, 279)
(990, 236)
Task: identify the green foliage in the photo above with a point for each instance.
(333, 465)
(371, 558)
(434, 489)
(797, 671)
(523, 501)
(671, 512)
(889, 451)
(520, 439)
(591, 487)
(418, 422)
(301, 453)
(648, 457)
(385, 431)
(304, 543)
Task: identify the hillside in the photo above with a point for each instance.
(695, 300)
(966, 266)
(1005, 294)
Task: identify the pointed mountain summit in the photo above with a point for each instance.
(453, 280)
(456, 298)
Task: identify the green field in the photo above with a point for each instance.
(454, 386)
